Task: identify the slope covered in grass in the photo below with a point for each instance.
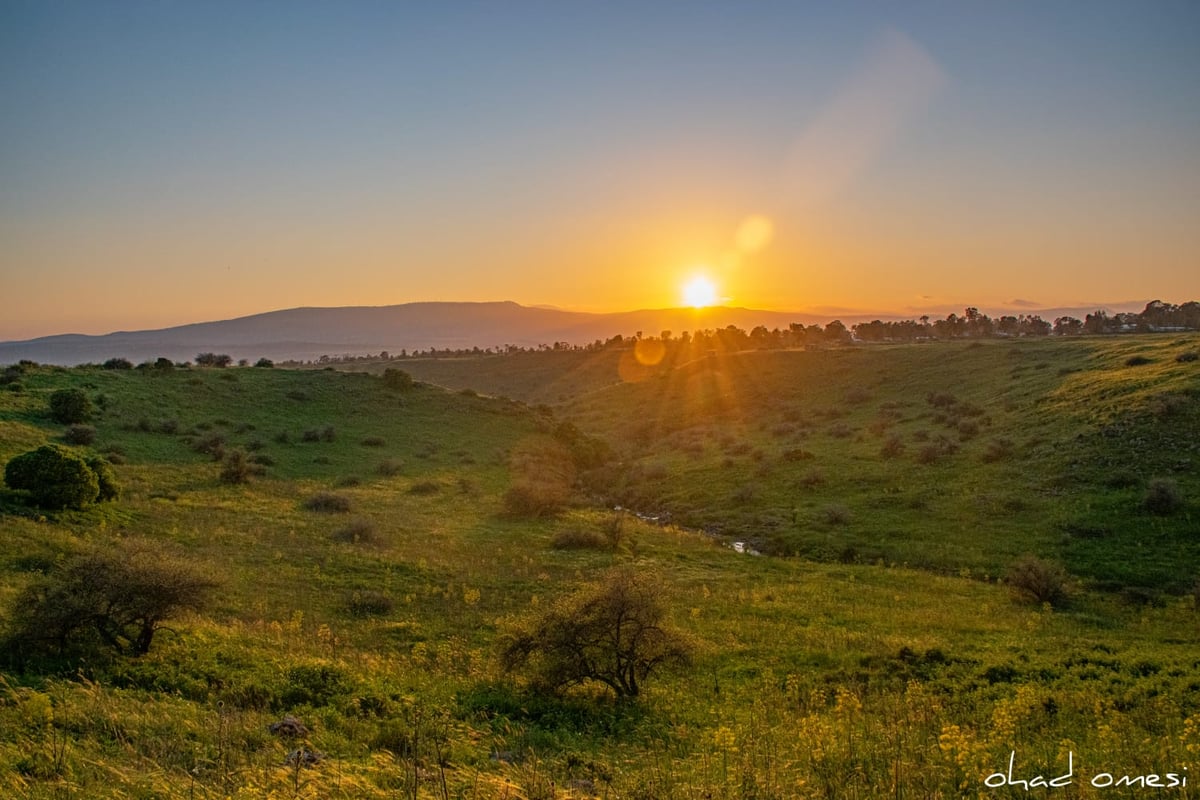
(376, 626)
(945, 455)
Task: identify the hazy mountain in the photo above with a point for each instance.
(308, 333)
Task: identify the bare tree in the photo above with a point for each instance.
(116, 597)
(613, 632)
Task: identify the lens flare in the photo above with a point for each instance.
(754, 234)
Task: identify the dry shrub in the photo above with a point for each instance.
(940, 399)
(893, 447)
(997, 450)
(1040, 581)
(543, 473)
(578, 539)
(211, 445)
(80, 435)
(536, 498)
(328, 503)
(358, 531)
(614, 633)
(389, 467)
(369, 603)
(812, 478)
(237, 468)
(836, 515)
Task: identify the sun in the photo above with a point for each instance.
(700, 292)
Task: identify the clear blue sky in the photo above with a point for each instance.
(170, 162)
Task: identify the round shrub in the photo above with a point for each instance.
(70, 406)
(54, 477)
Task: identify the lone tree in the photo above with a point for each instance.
(612, 632)
(70, 406)
(116, 597)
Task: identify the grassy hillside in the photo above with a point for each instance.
(948, 456)
(855, 675)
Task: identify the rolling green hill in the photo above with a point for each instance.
(883, 658)
(948, 456)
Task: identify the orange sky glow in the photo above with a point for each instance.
(176, 166)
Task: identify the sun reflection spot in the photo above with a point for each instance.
(649, 352)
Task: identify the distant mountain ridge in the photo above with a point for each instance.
(305, 334)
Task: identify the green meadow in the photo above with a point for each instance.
(868, 637)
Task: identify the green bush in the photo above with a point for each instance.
(70, 406)
(54, 477)
(105, 478)
(314, 684)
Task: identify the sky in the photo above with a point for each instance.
(172, 162)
